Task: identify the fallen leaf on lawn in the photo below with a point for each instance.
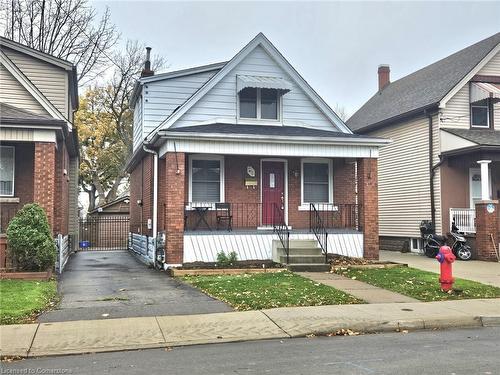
(105, 315)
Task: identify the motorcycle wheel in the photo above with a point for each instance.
(430, 252)
(464, 252)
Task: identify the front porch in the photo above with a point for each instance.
(252, 204)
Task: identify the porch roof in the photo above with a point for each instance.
(478, 136)
(295, 132)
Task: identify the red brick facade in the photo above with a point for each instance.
(487, 230)
(368, 200)
(141, 190)
(175, 174)
(61, 204)
(45, 178)
(173, 193)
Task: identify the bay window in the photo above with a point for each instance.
(317, 181)
(7, 171)
(206, 179)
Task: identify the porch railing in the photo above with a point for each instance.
(206, 216)
(281, 229)
(317, 226)
(337, 216)
(464, 219)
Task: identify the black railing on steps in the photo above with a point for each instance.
(281, 229)
(317, 226)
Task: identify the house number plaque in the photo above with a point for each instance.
(490, 207)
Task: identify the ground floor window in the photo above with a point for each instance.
(206, 176)
(316, 181)
(7, 171)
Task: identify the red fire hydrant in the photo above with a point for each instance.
(445, 257)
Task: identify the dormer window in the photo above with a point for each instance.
(480, 112)
(483, 99)
(257, 103)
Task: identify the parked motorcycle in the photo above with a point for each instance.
(432, 242)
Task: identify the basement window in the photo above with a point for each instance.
(7, 161)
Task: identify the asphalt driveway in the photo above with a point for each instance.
(113, 284)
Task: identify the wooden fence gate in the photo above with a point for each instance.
(104, 233)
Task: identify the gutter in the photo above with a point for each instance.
(155, 195)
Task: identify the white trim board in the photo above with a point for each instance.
(469, 76)
(259, 40)
(270, 149)
(31, 88)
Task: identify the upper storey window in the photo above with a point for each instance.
(260, 97)
(484, 98)
(257, 103)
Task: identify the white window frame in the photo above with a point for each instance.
(473, 171)
(259, 119)
(305, 206)
(487, 106)
(13, 172)
(419, 247)
(220, 158)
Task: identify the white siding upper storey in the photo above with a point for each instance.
(456, 114)
(203, 100)
(221, 102)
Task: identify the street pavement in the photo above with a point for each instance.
(473, 351)
(114, 284)
(483, 272)
(90, 336)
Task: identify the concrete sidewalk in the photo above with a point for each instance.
(90, 336)
(476, 270)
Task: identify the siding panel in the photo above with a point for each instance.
(221, 101)
(13, 93)
(52, 81)
(404, 193)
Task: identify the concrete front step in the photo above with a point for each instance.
(304, 251)
(308, 267)
(303, 258)
(303, 243)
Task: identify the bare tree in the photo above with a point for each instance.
(341, 111)
(68, 29)
(105, 126)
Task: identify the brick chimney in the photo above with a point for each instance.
(146, 72)
(384, 76)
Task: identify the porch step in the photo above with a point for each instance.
(308, 267)
(304, 251)
(303, 259)
(303, 244)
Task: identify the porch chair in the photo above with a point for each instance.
(223, 213)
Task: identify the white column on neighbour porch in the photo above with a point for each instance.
(485, 183)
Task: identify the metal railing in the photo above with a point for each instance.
(464, 219)
(205, 216)
(280, 227)
(63, 244)
(317, 226)
(338, 216)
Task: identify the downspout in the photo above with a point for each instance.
(432, 169)
(155, 196)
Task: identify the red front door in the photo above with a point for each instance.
(273, 189)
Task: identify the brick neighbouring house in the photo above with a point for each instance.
(38, 144)
(250, 133)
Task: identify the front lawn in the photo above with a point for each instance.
(20, 300)
(268, 290)
(419, 284)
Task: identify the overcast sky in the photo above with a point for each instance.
(335, 46)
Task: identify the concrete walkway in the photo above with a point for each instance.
(483, 272)
(366, 292)
(90, 336)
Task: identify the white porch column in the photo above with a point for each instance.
(485, 183)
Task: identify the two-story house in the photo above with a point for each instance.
(444, 120)
(38, 143)
(233, 155)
